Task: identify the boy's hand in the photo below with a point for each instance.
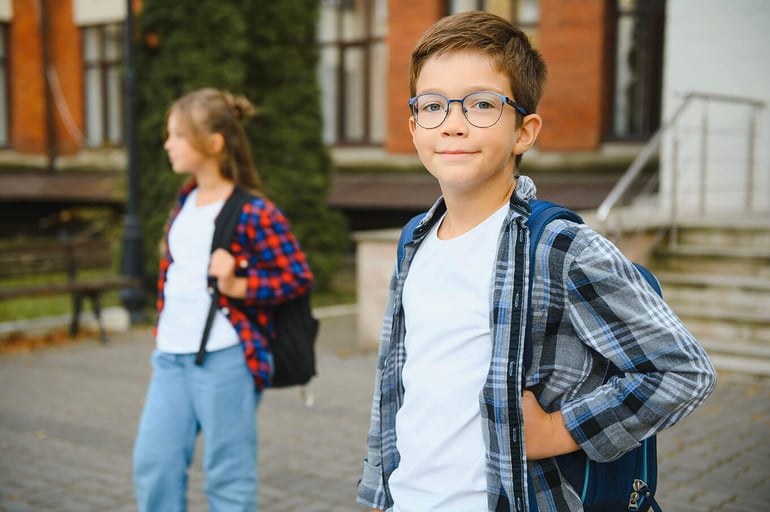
(545, 435)
(222, 267)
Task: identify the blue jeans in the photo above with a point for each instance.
(218, 399)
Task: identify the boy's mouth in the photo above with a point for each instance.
(456, 153)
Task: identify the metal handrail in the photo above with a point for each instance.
(621, 187)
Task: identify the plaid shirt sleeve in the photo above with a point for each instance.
(268, 255)
(276, 268)
(614, 312)
(372, 491)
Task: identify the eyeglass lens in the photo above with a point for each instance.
(481, 109)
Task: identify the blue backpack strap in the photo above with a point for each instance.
(406, 236)
(650, 278)
(543, 212)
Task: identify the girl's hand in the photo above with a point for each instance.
(222, 267)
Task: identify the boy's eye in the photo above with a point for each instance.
(433, 107)
(482, 101)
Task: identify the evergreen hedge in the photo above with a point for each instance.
(266, 51)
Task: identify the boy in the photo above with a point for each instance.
(448, 409)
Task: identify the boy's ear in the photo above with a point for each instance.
(527, 133)
(411, 126)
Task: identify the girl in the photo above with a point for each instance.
(263, 267)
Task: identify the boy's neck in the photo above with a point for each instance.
(468, 209)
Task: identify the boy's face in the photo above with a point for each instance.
(460, 155)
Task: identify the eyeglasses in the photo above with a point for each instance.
(482, 109)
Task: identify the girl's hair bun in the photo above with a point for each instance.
(241, 107)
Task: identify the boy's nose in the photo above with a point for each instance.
(455, 121)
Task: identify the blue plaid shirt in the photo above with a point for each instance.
(590, 305)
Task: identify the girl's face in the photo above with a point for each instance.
(183, 156)
(461, 156)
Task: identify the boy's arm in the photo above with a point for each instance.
(616, 313)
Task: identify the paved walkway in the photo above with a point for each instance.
(68, 417)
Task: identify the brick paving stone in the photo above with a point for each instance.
(68, 418)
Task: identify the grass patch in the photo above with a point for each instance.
(343, 286)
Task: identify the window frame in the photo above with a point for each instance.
(528, 27)
(346, 48)
(104, 65)
(654, 14)
(5, 108)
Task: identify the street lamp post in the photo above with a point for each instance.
(132, 259)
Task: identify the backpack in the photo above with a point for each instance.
(297, 329)
(626, 483)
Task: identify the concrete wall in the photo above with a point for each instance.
(375, 258)
(721, 47)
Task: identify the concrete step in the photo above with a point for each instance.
(739, 357)
(747, 328)
(734, 261)
(720, 252)
(728, 293)
(755, 236)
(741, 364)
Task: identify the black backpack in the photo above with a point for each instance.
(297, 329)
(626, 483)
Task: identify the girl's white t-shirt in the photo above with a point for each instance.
(186, 300)
(439, 430)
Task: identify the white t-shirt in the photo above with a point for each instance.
(186, 300)
(448, 351)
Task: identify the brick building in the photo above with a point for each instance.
(61, 110)
(61, 105)
(601, 102)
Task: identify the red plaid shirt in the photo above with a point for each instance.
(268, 255)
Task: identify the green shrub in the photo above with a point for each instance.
(266, 51)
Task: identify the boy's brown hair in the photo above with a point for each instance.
(507, 46)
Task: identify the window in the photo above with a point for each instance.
(353, 70)
(524, 13)
(638, 68)
(103, 59)
(4, 117)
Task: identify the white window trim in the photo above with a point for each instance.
(6, 10)
(98, 12)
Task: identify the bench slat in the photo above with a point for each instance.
(37, 258)
(89, 286)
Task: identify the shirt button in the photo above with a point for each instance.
(226, 310)
(210, 289)
(244, 263)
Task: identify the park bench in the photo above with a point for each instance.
(48, 258)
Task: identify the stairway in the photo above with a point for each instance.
(716, 277)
